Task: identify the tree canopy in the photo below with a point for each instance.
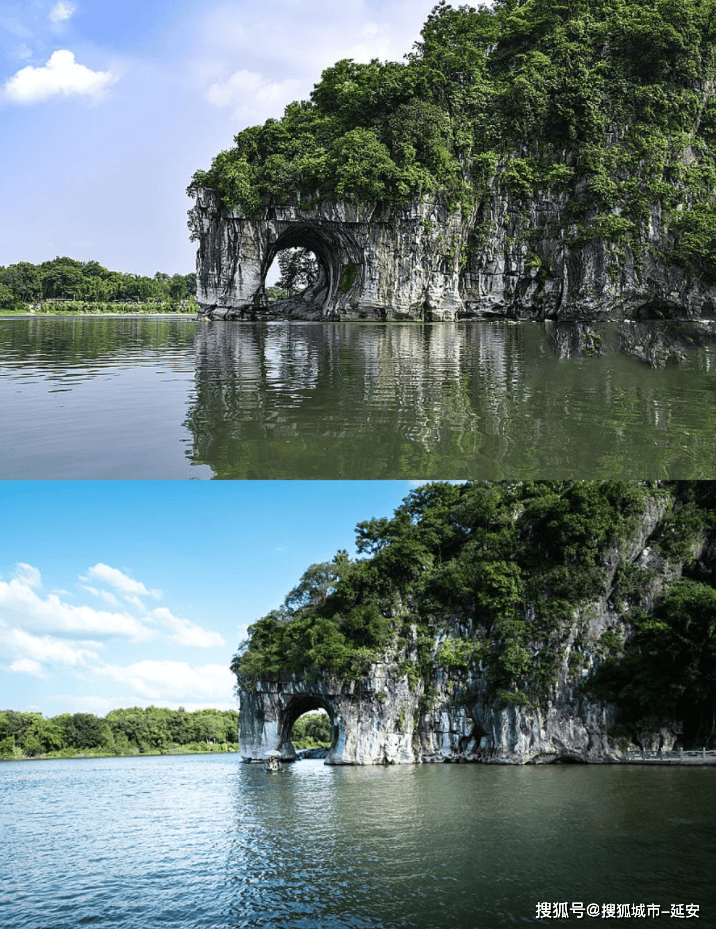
(606, 100)
(128, 731)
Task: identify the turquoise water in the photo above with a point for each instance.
(170, 398)
(209, 842)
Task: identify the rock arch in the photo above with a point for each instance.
(329, 256)
(376, 263)
(379, 719)
(295, 707)
(269, 711)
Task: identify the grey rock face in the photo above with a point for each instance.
(401, 264)
(382, 720)
(507, 259)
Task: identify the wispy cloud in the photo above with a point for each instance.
(245, 91)
(33, 651)
(27, 666)
(101, 705)
(21, 606)
(105, 595)
(60, 76)
(61, 11)
(121, 582)
(168, 680)
(40, 632)
(27, 575)
(185, 632)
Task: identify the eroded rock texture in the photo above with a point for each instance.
(507, 259)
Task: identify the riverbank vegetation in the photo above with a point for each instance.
(607, 104)
(64, 285)
(498, 582)
(137, 731)
(299, 270)
(312, 730)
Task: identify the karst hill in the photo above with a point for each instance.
(535, 159)
(501, 623)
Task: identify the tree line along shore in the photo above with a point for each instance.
(136, 731)
(64, 285)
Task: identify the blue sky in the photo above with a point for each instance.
(107, 108)
(122, 593)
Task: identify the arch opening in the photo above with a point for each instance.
(291, 273)
(307, 719)
(321, 280)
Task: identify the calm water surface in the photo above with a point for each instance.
(210, 842)
(158, 398)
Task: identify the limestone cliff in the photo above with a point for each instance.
(509, 258)
(451, 711)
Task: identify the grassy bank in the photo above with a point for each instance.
(92, 308)
(196, 748)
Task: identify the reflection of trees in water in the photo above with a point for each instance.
(52, 345)
(445, 400)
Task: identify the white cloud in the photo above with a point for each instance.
(21, 606)
(126, 585)
(169, 680)
(100, 706)
(88, 703)
(247, 91)
(105, 595)
(60, 75)
(187, 633)
(61, 11)
(24, 647)
(27, 575)
(27, 666)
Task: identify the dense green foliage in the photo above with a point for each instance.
(299, 270)
(123, 732)
(510, 561)
(497, 577)
(669, 671)
(81, 282)
(605, 100)
(312, 730)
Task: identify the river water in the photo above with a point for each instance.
(200, 841)
(172, 398)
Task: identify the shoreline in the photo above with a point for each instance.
(152, 754)
(649, 762)
(140, 314)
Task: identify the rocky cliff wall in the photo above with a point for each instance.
(387, 718)
(510, 258)
(373, 264)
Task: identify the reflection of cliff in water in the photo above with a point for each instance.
(350, 400)
(453, 400)
(656, 343)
